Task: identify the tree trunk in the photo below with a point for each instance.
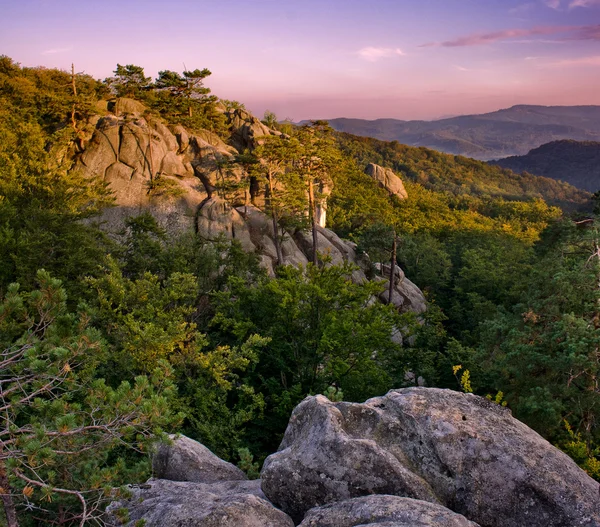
(275, 222)
(9, 505)
(73, 85)
(313, 220)
(392, 269)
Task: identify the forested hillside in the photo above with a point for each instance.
(112, 337)
(575, 162)
(508, 132)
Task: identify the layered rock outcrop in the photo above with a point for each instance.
(452, 449)
(254, 230)
(247, 129)
(150, 166)
(175, 175)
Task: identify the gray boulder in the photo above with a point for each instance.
(187, 460)
(459, 450)
(162, 503)
(384, 511)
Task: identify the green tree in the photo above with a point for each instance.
(148, 320)
(323, 330)
(42, 205)
(129, 81)
(316, 162)
(543, 353)
(63, 430)
(189, 86)
(284, 194)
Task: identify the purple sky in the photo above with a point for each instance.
(302, 59)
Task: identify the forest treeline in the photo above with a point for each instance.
(108, 343)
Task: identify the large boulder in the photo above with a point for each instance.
(387, 179)
(163, 503)
(459, 450)
(247, 130)
(184, 459)
(384, 511)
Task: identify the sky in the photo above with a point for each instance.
(309, 59)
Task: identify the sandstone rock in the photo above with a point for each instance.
(183, 139)
(247, 129)
(187, 460)
(162, 503)
(103, 148)
(460, 450)
(124, 106)
(260, 227)
(381, 511)
(216, 142)
(406, 296)
(172, 165)
(387, 179)
(165, 134)
(217, 218)
(141, 148)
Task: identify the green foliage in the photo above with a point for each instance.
(588, 458)
(542, 353)
(42, 205)
(323, 330)
(150, 317)
(44, 96)
(64, 430)
(376, 240)
(247, 463)
(129, 81)
(457, 175)
(334, 394)
(286, 188)
(183, 99)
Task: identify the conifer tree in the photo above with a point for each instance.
(62, 430)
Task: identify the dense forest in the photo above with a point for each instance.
(109, 342)
(576, 162)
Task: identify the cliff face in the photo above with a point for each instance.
(175, 174)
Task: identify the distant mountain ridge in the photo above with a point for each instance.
(575, 162)
(508, 132)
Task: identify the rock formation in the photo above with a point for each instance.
(457, 450)
(384, 511)
(163, 503)
(387, 179)
(416, 457)
(187, 460)
(151, 167)
(176, 175)
(247, 130)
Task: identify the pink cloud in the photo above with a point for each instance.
(373, 54)
(478, 39)
(583, 3)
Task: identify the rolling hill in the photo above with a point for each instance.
(576, 162)
(508, 132)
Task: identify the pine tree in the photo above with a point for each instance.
(62, 430)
